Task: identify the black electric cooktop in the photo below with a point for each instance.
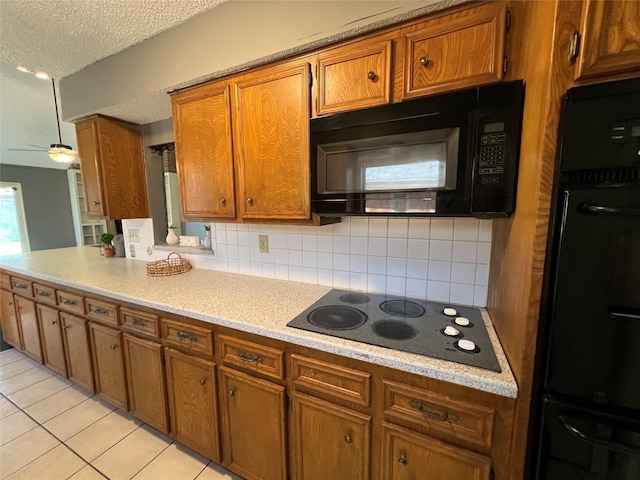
(449, 332)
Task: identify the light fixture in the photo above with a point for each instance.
(59, 152)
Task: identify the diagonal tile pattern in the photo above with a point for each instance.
(51, 429)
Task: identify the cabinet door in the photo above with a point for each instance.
(51, 336)
(354, 76)
(26, 310)
(271, 133)
(329, 441)
(87, 135)
(146, 381)
(76, 348)
(407, 455)
(204, 154)
(454, 51)
(108, 364)
(610, 38)
(253, 426)
(192, 402)
(10, 325)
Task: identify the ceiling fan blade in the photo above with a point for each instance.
(37, 146)
(26, 150)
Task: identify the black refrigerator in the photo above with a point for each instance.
(587, 416)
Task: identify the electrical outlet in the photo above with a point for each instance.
(134, 235)
(263, 243)
(132, 250)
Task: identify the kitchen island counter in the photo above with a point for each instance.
(251, 304)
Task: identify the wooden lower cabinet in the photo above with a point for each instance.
(51, 338)
(10, 325)
(146, 381)
(26, 311)
(253, 426)
(108, 364)
(329, 441)
(75, 338)
(191, 389)
(408, 455)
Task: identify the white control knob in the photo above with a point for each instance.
(451, 312)
(467, 345)
(462, 321)
(449, 330)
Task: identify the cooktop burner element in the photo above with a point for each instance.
(410, 325)
(337, 317)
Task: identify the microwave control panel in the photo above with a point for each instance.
(493, 142)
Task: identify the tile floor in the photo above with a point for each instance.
(52, 430)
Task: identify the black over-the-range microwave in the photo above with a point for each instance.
(454, 154)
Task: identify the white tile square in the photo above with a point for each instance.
(325, 277)
(294, 229)
(417, 269)
(18, 367)
(234, 266)
(14, 425)
(416, 288)
(341, 244)
(464, 251)
(256, 269)
(231, 226)
(398, 228)
(244, 253)
(485, 232)
(24, 449)
(342, 228)
(10, 356)
(216, 472)
(256, 256)
(24, 379)
(466, 229)
(232, 237)
(278, 240)
(438, 291)
(440, 250)
(480, 295)
(325, 243)
(310, 259)
(397, 247)
(324, 230)
(359, 227)
(7, 408)
(417, 249)
(243, 227)
(223, 251)
(482, 275)
(254, 242)
(378, 227)
(439, 270)
(441, 229)
(377, 246)
(461, 293)
(243, 239)
(282, 272)
(358, 245)
(295, 258)
(484, 253)
(232, 252)
(56, 404)
(377, 283)
(341, 262)
(358, 263)
(219, 226)
(325, 260)
(396, 285)
(294, 241)
(39, 391)
(244, 267)
(282, 256)
(419, 227)
(340, 279)
(221, 236)
(463, 273)
(268, 270)
(59, 462)
(377, 265)
(310, 275)
(295, 273)
(310, 243)
(176, 461)
(396, 267)
(358, 281)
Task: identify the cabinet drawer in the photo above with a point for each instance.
(330, 381)
(70, 301)
(102, 311)
(44, 294)
(252, 356)
(441, 415)
(141, 322)
(188, 337)
(21, 286)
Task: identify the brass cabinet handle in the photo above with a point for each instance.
(231, 393)
(203, 381)
(53, 322)
(138, 322)
(402, 460)
(101, 311)
(347, 438)
(433, 412)
(424, 61)
(21, 286)
(250, 200)
(113, 347)
(371, 75)
(69, 302)
(223, 201)
(186, 336)
(44, 294)
(249, 357)
(95, 202)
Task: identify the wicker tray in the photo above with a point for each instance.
(173, 265)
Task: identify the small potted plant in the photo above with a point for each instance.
(108, 248)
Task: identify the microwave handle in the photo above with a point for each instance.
(591, 209)
(602, 442)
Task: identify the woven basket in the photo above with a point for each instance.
(173, 265)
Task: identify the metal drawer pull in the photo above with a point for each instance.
(402, 460)
(223, 202)
(101, 311)
(347, 438)
(249, 357)
(138, 322)
(231, 393)
(424, 61)
(21, 286)
(371, 76)
(44, 294)
(69, 302)
(433, 412)
(187, 336)
(53, 322)
(250, 201)
(203, 381)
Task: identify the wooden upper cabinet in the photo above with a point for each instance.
(610, 38)
(459, 50)
(354, 76)
(271, 136)
(112, 163)
(204, 153)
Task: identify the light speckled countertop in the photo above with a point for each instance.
(252, 304)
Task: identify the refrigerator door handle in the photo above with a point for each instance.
(603, 442)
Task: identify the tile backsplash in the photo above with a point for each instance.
(440, 259)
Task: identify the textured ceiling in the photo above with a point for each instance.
(61, 37)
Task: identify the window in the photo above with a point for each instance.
(13, 226)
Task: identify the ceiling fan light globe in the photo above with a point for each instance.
(62, 153)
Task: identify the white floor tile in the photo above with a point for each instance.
(39, 391)
(24, 449)
(15, 425)
(17, 367)
(132, 454)
(87, 473)
(102, 435)
(216, 472)
(57, 403)
(77, 418)
(24, 379)
(58, 463)
(6, 407)
(176, 462)
(10, 356)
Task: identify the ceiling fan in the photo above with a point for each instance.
(58, 152)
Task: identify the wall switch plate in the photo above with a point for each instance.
(134, 235)
(263, 243)
(132, 250)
